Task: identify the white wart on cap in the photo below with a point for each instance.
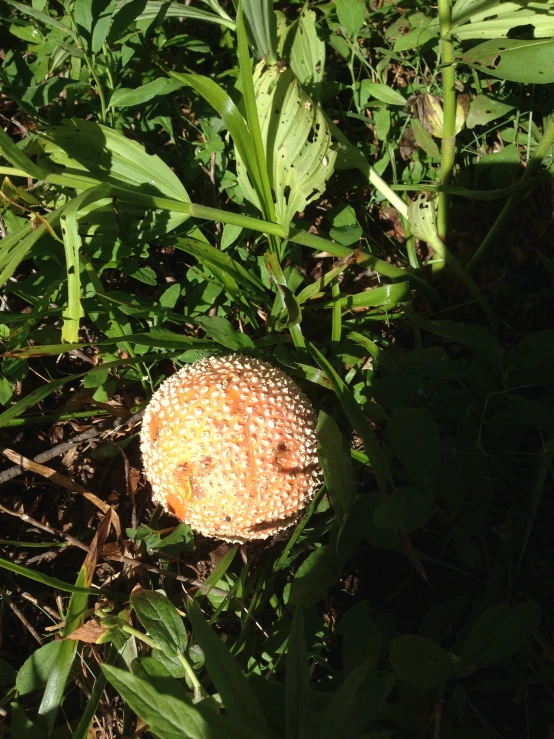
(229, 446)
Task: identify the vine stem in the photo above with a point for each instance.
(507, 211)
(448, 149)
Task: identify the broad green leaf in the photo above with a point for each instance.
(381, 92)
(535, 350)
(361, 640)
(420, 662)
(93, 19)
(473, 336)
(298, 694)
(15, 156)
(351, 15)
(125, 97)
(413, 30)
(43, 18)
(169, 711)
(424, 139)
(34, 672)
(222, 331)
(406, 508)
(160, 618)
(334, 454)
(260, 20)
(494, 20)
(307, 53)
(21, 725)
(499, 632)
(342, 703)
(153, 8)
(297, 141)
(414, 436)
(483, 110)
(239, 699)
(528, 61)
(93, 153)
(315, 576)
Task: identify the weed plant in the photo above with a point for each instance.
(361, 193)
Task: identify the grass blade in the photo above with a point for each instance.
(239, 698)
(298, 694)
(359, 422)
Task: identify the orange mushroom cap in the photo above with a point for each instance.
(229, 446)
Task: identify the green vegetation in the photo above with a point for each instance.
(361, 193)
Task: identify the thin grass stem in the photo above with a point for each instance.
(448, 150)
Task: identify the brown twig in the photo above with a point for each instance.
(21, 617)
(65, 446)
(57, 477)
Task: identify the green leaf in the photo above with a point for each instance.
(15, 156)
(420, 662)
(92, 153)
(238, 696)
(484, 109)
(307, 53)
(407, 508)
(34, 672)
(232, 117)
(43, 18)
(72, 245)
(125, 97)
(361, 640)
(334, 454)
(168, 711)
(351, 15)
(154, 8)
(93, 19)
(208, 253)
(297, 142)
(21, 725)
(414, 436)
(387, 297)
(535, 350)
(298, 694)
(493, 19)
(52, 582)
(315, 576)
(424, 139)
(359, 421)
(515, 60)
(261, 23)
(160, 618)
(499, 632)
(475, 337)
(378, 91)
(221, 330)
(342, 704)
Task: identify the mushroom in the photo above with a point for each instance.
(229, 446)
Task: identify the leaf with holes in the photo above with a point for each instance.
(299, 151)
(516, 60)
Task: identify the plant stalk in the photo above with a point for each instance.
(448, 149)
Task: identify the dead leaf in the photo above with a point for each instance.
(90, 632)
